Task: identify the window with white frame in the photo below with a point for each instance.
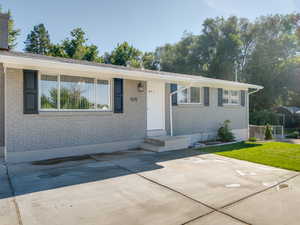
(191, 95)
(49, 92)
(231, 97)
(102, 95)
(64, 92)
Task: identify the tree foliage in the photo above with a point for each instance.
(263, 52)
(38, 40)
(76, 47)
(125, 55)
(149, 61)
(276, 44)
(70, 98)
(264, 117)
(224, 132)
(268, 133)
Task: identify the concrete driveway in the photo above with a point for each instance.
(179, 187)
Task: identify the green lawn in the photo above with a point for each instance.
(277, 154)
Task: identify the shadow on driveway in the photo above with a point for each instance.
(61, 172)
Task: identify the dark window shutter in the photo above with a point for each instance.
(206, 96)
(30, 92)
(174, 96)
(243, 98)
(118, 95)
(220, 97)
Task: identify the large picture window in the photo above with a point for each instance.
(77, 92)
(231, 97)
(49, 92)
(103, 92)
(66, 92)
(190, 95)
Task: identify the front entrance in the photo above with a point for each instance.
(155, 106)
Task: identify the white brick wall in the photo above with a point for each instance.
(59, 130)
(194, 119)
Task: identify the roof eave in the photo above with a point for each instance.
(27, 62)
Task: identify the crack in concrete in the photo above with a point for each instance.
(258, 192)
(199, 202)
(13, 193)
(178, 192)
(239, 200)
(166, 187)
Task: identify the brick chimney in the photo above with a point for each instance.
(4, 17)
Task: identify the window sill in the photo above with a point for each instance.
(74, 113)
(189, 105)
(232, 106)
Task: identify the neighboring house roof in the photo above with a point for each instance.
(36, 61)
(290, 109)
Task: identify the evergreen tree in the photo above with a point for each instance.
(268, 133)
(76, 47)
(38, 40)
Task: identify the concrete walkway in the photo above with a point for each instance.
(179, 187)
(290, 140)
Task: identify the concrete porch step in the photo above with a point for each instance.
(165, 143)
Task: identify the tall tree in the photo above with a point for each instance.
(125, 55)
(180, 57)
(276, 43)
(76, 47)
(38, 40)
(13, 33)
(224, 45)
(258, 51)
(149, 61)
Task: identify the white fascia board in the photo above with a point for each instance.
(41, 64)
(48, 65)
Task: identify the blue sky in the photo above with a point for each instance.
(145, 24)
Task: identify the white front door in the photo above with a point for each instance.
(155, 105)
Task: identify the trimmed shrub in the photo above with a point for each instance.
(224, 132)
(295, 134)
(268, 133)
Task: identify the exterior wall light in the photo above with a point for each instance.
(140, 87)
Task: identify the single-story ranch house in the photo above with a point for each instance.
(53, 107)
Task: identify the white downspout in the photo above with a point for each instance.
(171, 114)
(171, 108)
(5, 108)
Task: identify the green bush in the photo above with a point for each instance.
(224, 133)
(264, 117)
(295, 134)
(253, 139)
(268, 133)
